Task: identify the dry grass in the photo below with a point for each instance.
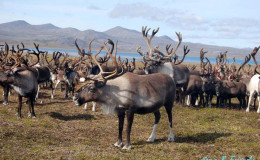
(65, 131)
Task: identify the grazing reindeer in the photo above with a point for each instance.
(159, 62)
(129, 94)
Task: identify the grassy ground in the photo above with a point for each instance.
(65, 131)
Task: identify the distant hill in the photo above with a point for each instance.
(51, 36)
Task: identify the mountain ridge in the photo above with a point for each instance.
(51, 36)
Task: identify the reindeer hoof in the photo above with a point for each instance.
(151, 139)
(118, 144)
(127, 147)
(33, 117)
(5, 103)
(247, 110)
(171, 138)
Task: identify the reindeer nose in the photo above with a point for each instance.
(75, 97)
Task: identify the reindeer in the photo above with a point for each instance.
(159, 62)
(227, 90)
(253, 86)
(62, 73)
(129, 94)
(194, 89)
(208, 85)
(23, 79)
(4, 66)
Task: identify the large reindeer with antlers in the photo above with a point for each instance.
(23, 79)
(159, 62)
(129, 94)
(92, 69)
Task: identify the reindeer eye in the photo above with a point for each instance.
(92, 90)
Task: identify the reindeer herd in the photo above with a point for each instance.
(124, 89)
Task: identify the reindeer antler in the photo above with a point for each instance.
(247, 59)
(255, 50)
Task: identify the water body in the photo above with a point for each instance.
(130, 56)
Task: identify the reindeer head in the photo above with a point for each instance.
(92, 90)
(155, 58)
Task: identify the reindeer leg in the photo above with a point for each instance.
(248, 105)
(121, 118)
(202, 99)
(240, 102)
(31, 105)
(218, 102)
(207, 100)
(255, 96)
(188, 100)
(37, 94)
(51, 85)
(72, 89)
(157, 119)
(19, 106)
(230, 102)
(258, 98)
(169, 113)
(210, 100)
(94, 106)
(6, 92)
(52, 96)
(66, 90)
(86, 106)
(130, 118)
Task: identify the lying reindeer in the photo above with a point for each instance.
(129, 94)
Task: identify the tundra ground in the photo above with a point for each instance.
(65, 131)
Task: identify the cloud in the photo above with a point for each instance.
(170, 16)
(138, 10)
(93, 7)
(237, 27)
(188, 22)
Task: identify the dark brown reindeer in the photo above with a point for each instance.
(195, 85)
(208, 86)
(231, 89)
(194, 89)
(43, 72)
(159, 62)
(129, 94)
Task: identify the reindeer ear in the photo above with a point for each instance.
(99, 84)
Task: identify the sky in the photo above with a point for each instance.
(233, 23)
